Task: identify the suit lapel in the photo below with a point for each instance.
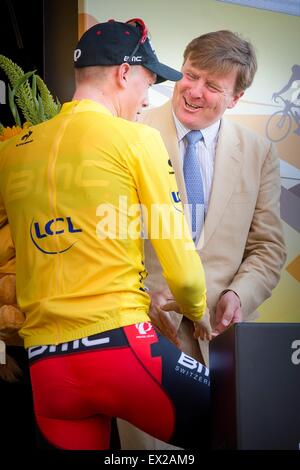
(164, 122)
(226, 171)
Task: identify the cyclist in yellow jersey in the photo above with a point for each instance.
(79, 192)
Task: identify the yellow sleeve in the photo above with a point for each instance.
(165, 223)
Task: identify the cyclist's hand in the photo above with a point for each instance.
(160, 315)
(203, 328)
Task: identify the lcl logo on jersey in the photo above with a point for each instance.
(175, 196)
(40, 232)
(176, 200)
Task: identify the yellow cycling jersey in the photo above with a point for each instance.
(80, 192)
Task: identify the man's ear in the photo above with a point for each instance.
(123, 73)
(234, 100)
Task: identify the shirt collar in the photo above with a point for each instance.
(78, 106)
(210, 133)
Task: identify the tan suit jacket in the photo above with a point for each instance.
(243, 246)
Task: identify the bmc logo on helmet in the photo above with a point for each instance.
(41, 233)
(77, 54)
(135, 58)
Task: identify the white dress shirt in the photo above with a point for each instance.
(206, 153)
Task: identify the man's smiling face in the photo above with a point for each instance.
(201, 97)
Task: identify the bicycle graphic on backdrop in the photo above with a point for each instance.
(279, 124)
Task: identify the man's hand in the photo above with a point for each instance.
(202, 327)
(228, 311)
(161, 318)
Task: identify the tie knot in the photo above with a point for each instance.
(193, 137)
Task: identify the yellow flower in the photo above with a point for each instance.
(9, 132)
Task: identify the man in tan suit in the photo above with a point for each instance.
(241, 246)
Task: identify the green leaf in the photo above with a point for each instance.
(33, 85)
(13, 107)
(35, 100)
(22, 80)
(41, 109)
(51, 107)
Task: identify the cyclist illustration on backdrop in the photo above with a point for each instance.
(279, 124)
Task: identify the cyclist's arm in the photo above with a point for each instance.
(285, 88)
(180, 263)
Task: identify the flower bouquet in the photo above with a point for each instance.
(30, 98)
(28, 94)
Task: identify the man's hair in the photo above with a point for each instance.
(91, 74)
(222, 51)
(98, 74)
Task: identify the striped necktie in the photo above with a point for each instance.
(193, 183)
